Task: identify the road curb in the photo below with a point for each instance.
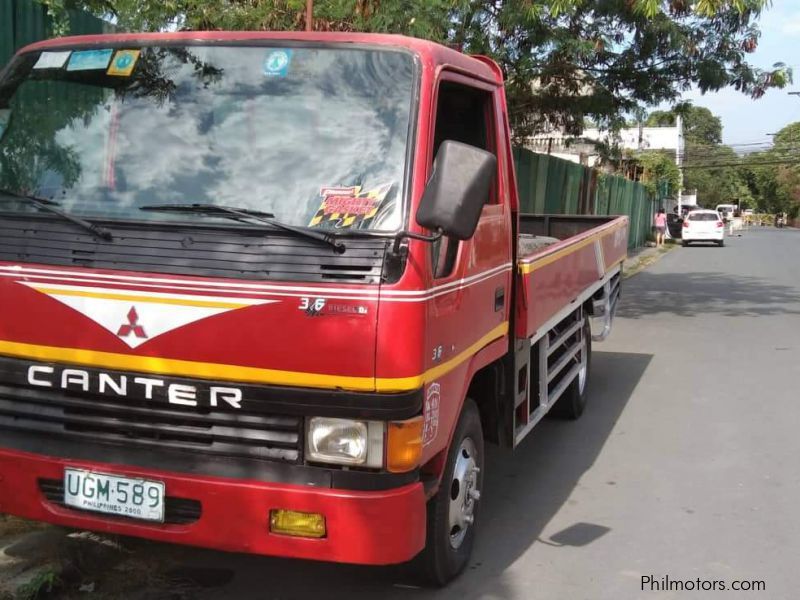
(645, 258)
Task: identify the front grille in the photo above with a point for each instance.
(230, 252)
(221, 431)
(177, 511)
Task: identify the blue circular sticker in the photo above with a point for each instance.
(277, 63)
(123, 62)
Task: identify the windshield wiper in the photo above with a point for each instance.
(253, 215)
(50, 206)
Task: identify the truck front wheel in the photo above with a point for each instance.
(453, 511)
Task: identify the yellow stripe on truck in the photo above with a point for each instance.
(535, 264)
(236, 373)
(138, 298)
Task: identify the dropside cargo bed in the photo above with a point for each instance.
(561, 258)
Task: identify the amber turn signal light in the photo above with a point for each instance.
(298, 524)
(403, 445)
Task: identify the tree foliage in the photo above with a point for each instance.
(564, 60)
(710, 168)
(660, 174)
(700, 126)
(714, 172)
(773, 176)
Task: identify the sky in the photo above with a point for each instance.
(744, 120)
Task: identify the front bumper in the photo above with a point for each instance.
(364, 527)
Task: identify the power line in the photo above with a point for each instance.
(700, 156)
(740, 164)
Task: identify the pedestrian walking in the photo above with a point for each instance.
(660, 224)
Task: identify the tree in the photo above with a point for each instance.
(564, 60)
(773, 176)
(700, 126)
(714, 172)
(660, 174)
(709, 167)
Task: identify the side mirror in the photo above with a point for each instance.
(457, 190)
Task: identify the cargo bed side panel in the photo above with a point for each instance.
(555, 276)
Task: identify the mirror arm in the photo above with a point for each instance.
(414, 236)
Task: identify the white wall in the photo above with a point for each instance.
(652, 138)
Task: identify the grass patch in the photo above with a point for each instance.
(44, 584)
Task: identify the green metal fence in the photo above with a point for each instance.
(550, 185)
(23, 22)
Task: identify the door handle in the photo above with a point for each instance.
(499, 299)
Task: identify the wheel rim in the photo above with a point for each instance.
(584, 370)
(464, 492)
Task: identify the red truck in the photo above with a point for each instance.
(272, 292)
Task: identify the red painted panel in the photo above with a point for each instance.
(554, 277)
(277, 335)
(382, 527)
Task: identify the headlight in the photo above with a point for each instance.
(345, 442)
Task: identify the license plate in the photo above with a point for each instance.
(114, 495)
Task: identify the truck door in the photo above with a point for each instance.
(470, 280)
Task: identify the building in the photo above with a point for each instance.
(584, 149)
(579, 149)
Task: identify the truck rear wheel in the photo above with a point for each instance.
(572, 402)
(453, 511)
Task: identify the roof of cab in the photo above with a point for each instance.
(433, 54)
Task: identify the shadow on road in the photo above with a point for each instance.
(524, 489)
(696, 294)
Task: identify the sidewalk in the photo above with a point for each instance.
(641, 258)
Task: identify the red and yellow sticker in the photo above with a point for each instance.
(348, 206)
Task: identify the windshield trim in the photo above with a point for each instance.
(414, 106)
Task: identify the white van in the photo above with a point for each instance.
(726, 211)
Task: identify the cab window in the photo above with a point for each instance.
(463, 114)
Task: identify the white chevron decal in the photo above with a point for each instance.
(137, 317)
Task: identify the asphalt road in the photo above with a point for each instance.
(684, 465)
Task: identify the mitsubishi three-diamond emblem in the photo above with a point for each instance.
(132, 327)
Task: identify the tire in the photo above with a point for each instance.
(721, 243)
(448, 547)
(573, 401)
(684, 243)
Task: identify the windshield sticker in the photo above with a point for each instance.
(123, 63)
(277, 63)
(348, 207)
(89, 60)
(52, 60)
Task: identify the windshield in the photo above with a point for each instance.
(315, 136)
(703, 217)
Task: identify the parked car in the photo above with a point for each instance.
(703, 226)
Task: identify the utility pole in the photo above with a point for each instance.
(309, 15)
